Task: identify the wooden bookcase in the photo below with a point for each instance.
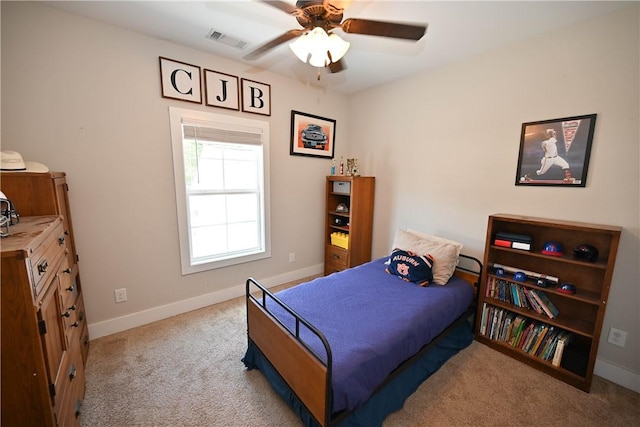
(357, 193)
(580, 314)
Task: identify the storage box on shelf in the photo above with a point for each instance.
(348, 221)
(532, 318)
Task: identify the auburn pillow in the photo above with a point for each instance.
(411, 267)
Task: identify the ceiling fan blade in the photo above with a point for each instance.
(290, 9)
(258, 52)
(336, 67)
(384, 29)
(282, 5)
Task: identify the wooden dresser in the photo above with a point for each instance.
(42, 364)
(44, 194)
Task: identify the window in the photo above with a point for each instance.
(221, 177)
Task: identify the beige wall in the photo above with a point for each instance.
(84, 98)
(444, 146)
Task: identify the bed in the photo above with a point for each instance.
(347, 349)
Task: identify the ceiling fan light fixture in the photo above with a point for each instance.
(319, 48)
(301, 47)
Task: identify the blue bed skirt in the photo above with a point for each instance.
(390, 397)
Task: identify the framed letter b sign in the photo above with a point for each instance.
(180, 80)
(256, 97)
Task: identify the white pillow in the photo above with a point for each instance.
(444, 251)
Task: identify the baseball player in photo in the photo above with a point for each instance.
(551, 157)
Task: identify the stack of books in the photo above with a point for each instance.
(521, 296)
(535, 338)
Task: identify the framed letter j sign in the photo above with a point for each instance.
(180, 80)
(221, 90)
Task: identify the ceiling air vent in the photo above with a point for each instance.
(226, 39)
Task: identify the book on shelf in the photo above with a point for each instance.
(548, 345)
(539, 339)
(562, 341)
(551, 350)
(524, 336)
(533, 336)
(532, 302)
(483, 320)
(545, 303)
(518, 326)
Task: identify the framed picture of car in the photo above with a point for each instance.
(312, 135)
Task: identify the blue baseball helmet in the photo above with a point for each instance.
(552, 248)
(519, 276)
(567, 288)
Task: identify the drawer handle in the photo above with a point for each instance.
(336, 256)
(72, 372)
(78, 408)
(66, 314)
(81, 315)
(70, 288)
(67, 270)
(75, 324)
(43, 266)
(61, 240)
(73, 307)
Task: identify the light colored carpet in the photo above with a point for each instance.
(187, 371)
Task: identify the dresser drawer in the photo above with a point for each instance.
(336, 259)
(74, 322)
(74, 387)
(45, 260)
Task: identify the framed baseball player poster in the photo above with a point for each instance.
(555, 152)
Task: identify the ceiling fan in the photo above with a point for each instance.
(318, 20)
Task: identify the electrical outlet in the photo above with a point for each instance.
(292, 257)
(617, 337)
(121, 295)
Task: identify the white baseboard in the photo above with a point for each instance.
(617, 374)
(111, 326)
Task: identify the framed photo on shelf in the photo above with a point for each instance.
(312, 135)
(555, 152)
(180, 80)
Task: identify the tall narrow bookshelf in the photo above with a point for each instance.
(348, 233)
(512, 311)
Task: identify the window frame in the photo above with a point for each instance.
(177, 117)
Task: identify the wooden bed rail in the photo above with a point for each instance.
(308, 376)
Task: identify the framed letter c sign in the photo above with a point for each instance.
(180, 80)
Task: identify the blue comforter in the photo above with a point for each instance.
(373, 321)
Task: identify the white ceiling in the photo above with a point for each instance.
(456, 29)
